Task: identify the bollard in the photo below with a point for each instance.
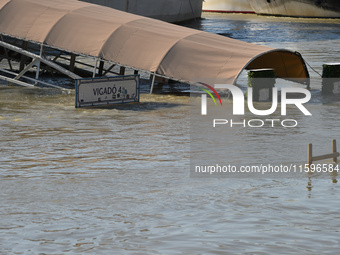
(262, 81)
(331, 78)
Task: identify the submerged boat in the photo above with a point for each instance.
(227, 6)
(297, 8)
(167, 10)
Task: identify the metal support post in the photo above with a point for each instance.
(153, 82)
(38, 64)
(95, 68)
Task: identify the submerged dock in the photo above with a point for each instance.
(57, 34)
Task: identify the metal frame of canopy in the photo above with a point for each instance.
(135, 42)
(98, 70)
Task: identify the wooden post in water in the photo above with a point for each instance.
(334, 155)
(262, 81)
(331, 78)
(310, 154)
(335, 159)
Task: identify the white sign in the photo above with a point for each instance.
(107, 90)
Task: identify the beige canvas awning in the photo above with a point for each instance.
(169, 50)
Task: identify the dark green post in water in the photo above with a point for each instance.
(331, 79)
(262, 81)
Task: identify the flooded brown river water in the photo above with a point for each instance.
(117, 181)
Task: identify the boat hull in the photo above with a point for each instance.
(166, 10)
(297, 8)
(228, 6)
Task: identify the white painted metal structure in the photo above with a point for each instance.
(107, 90)
(36, 60)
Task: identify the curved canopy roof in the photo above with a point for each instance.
(169, 50)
